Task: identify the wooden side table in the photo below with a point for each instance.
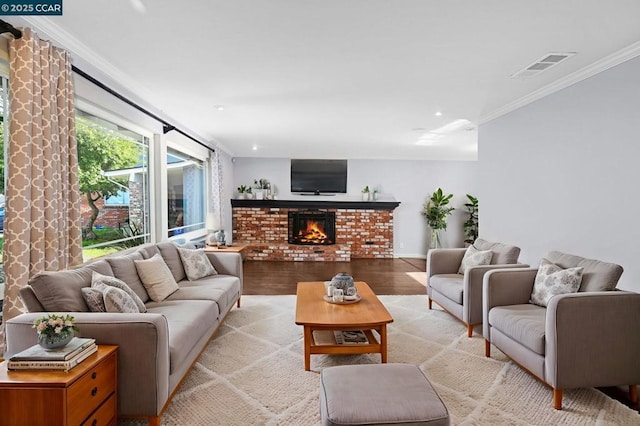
(236, 248)
(87, 394)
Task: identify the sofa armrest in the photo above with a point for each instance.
(143, 353)
(444, 261)
(472, 294)
(502, 287)
(592, 339)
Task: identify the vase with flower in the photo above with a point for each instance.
(55, 331)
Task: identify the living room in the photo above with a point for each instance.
(553, 161)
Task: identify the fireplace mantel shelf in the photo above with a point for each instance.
(318, 204)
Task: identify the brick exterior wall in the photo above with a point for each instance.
(366, 233)
(109, 216)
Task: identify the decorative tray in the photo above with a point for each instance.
(346, 301)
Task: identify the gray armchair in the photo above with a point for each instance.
(461, 294)
(584, 339)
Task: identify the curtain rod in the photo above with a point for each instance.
(6, 27)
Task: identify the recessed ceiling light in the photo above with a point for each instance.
(438, 113)
(219, 107)
(255, 148)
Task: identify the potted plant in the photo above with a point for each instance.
(366, 194)
(261, 186)
(244, 191)
(471, 225)
(436, 212)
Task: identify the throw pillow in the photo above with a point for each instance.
(98, 278)
(156, 278)
(196, 263)
(117, 300)
(93, 299)
(474, 257)
(552, 280)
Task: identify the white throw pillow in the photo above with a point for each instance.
(196, 263)
(552, 280)
(97, 279)
(117, 300)
(474, 257)
(156, 278)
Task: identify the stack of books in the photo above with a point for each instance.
(350, 337)
(38, 358)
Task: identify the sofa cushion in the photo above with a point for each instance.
(596, 276)
(196, 263)
(60, 290)
(503, 254)
(97, 278)
(169, 252)
(450, 285)
(551, 280)
(474, 257)
(124, 269)
(156, 278)
(188, 321)
(118, 300)
(222, 289)
(523, 323)
(94, 299)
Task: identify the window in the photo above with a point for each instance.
(185, 192)
(114, 182)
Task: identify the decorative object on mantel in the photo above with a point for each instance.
(436, 213)
(471, 225)
(366, 194)
(262, 189)
(55, 331)
(244, 192)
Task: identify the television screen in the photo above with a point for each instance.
(319, 176)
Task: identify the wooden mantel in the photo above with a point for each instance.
(317, 204)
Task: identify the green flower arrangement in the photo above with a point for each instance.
(436, 210)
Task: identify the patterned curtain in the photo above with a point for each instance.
(42, 225)
(215, 183)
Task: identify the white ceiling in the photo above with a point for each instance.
(341, 78)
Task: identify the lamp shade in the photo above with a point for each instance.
(213, 222)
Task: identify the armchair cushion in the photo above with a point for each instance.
(552, 280)
(597, 275)
(474, 257)
(450, 285)
(523, 323)
(502, 253)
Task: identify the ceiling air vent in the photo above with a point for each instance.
(547, 61)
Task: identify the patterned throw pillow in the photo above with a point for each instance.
(117, 300)
(156, 278)
(552, 280)
(196, 263)
(474, 257)
(93, 299)
(107, 280)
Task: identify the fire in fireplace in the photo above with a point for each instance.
(306, 227)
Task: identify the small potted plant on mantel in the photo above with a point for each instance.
(244, 192)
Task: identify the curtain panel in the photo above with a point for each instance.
(42, 225)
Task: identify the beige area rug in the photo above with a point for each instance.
(252, 373)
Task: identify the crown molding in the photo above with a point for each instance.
(597, 67)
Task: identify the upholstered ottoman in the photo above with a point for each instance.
(379, 394)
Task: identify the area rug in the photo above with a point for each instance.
(252, 373)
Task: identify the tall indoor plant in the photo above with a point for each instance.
(471, 225)
(436, 211)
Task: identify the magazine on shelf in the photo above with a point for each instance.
(38, 353)
(353, 337)
(53, 365)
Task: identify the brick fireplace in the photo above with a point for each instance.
(271, 230)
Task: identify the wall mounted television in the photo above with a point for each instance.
(315, 177)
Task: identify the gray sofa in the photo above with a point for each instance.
(156, 348)
(583, 339)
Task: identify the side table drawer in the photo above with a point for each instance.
(94, 387)
(106, 414)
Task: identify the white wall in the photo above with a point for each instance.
(409, 182)
(562, 173)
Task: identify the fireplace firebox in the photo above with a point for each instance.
(312, 228)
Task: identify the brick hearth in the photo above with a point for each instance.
(360, 233)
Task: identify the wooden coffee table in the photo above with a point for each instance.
(318, 316)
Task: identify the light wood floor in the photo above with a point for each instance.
(384, 276)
